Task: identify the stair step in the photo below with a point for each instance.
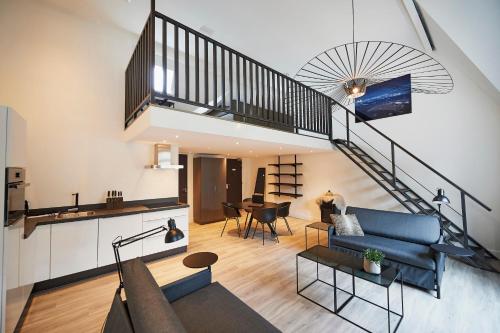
(428, 211)
(414, 200)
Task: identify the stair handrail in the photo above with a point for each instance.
(394, 143)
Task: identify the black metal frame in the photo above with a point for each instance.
(338, 308)
(279, 184)
(261, 94)
(318, 229)
(388, 179)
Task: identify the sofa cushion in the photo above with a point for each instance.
(421, 229)
(401, 251)
(148, 308)
(346, 225)
(215, 309)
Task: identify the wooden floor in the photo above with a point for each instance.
(264, 278)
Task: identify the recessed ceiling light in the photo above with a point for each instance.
(176, 136)
(237, 143)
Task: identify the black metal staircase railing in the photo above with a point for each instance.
(195, 70)
(391, 178)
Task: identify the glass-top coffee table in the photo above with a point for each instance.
(353, 266)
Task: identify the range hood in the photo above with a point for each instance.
(165, 157)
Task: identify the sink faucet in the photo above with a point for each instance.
(76, 207)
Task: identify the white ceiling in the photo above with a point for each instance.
(283, 34)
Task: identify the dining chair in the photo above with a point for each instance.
(247, 211)
(283, 212)
(265, 216)
(231, 213)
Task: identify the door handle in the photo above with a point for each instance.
(227, 186)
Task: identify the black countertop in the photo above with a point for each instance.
(133, 207)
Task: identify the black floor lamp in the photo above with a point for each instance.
(441, 199)
(173, 235)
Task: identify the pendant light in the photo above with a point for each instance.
(345, 71)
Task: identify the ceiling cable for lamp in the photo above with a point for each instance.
(355, 87)
(343, 72)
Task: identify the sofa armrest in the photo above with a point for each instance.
(331, 232)
(185, 286)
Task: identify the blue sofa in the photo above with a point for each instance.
(405, 240)
(192, 304)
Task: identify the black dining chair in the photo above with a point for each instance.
(283, 212)
(265, 216)
(247, 211)
(231, 213)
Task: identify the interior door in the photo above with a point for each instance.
(183, 181)
(233, 180)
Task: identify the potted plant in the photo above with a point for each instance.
(372, 259)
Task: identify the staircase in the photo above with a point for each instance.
(416, 204)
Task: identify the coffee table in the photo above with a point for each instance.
(353, 266)
(200, 260)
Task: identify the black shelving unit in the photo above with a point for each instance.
(280, 183)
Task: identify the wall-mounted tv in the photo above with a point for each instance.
(386, 99)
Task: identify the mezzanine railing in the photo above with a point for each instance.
(196, 70)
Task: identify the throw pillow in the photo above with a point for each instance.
(347, 225)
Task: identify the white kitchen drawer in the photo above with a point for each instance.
(112, 227)
(164, 214)
(157, 243)
(180, 221)
(73, 247)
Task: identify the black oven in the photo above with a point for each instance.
(15, 186)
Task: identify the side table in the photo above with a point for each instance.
(200, 260)
(319, 226)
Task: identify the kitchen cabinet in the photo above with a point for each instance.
(112, 227)
(73, 247)
(153, 220)
(12, 243)
(34, 265)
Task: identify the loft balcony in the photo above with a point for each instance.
(179, 68)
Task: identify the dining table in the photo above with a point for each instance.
(249, 206)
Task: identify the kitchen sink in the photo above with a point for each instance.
(72, 215)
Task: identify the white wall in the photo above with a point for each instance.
(323, 172)
(65, 76)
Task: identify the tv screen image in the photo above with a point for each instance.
(386, 99)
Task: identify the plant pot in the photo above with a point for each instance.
(371, 267)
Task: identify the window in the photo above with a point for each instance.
(158, 79)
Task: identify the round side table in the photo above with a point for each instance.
(200, 260)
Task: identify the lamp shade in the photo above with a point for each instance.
(441, 198)
(173, 234)
(355, 88)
